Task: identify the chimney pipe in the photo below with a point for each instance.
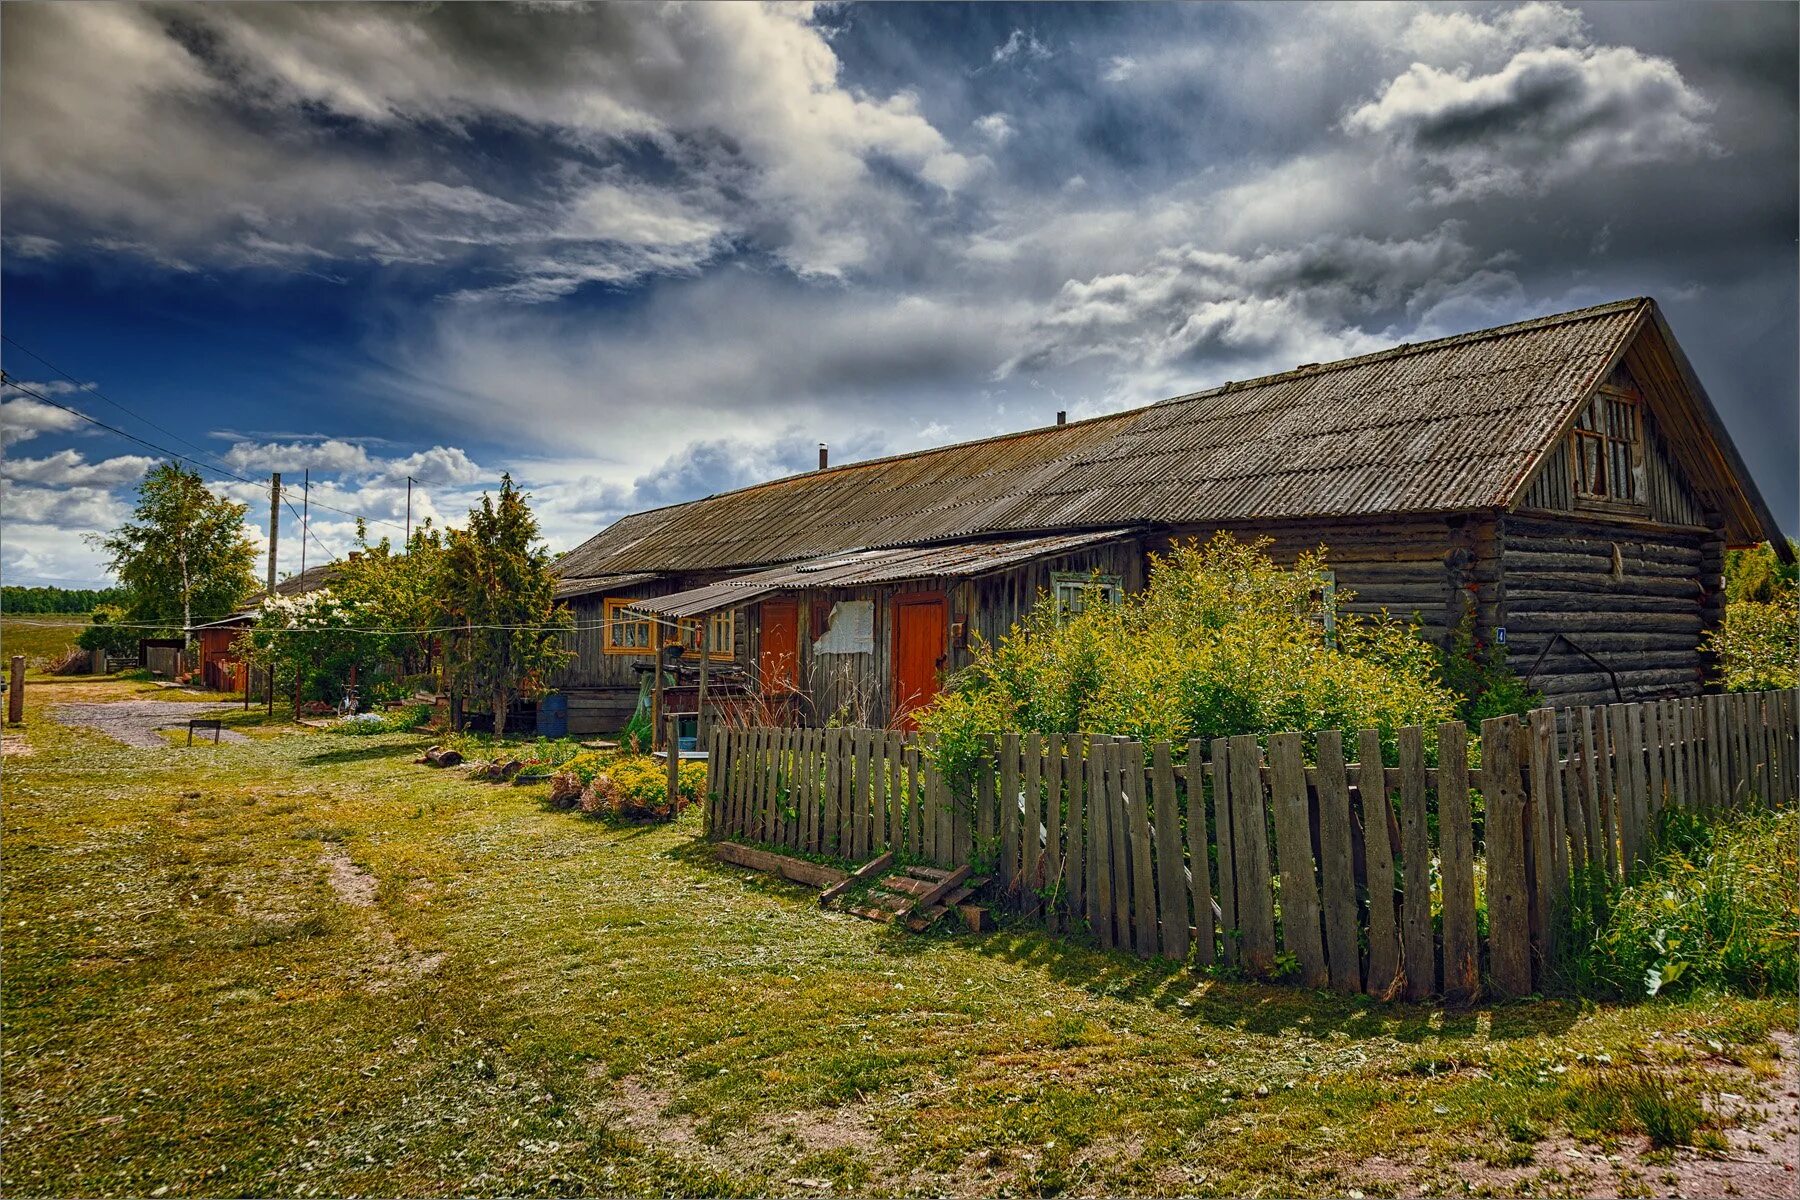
(1062, 418)
(824, 456)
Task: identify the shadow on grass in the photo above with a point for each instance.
(362, 753)
(1263, 1008)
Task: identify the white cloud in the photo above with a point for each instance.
(67, 468)
(1020, 45)
(995, 127)
(206, 149)
(23, 418)
(1119, 68)
(330, 454)
(1549, 115)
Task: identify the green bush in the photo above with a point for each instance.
(1758, 646)
(1719, 908)
(1479, 677)
(1223, 641)
(637, 787)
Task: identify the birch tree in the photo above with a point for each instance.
(183, 553)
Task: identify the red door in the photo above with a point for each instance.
(921, 641)
(779, 662)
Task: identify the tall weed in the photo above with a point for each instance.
(1718, 908)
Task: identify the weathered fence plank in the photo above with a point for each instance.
(1378, 854)
(1224, 848)
(1456, 864)
(1249, 831)
(1199, 861)
(1171, 881)
(1547, 852)
(1009, 813)
(1119, 818)
(1509, 904)
(1100, 884)
(1075, 854)
(1294, 858)
(1337, 875)
(1415, 849)
(1032, 820)
(1143, 886)
(1053, 808)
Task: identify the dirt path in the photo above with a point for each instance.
(136, 722)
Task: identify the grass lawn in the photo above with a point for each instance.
(306, 965)
(39, 636)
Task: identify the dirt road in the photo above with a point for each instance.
(136, 722)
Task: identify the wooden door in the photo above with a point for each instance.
(778, 660)
(921, 642)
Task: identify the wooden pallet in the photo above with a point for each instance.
(919, 896)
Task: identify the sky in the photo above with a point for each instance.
(635, 254)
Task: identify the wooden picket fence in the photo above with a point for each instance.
(1262, 856)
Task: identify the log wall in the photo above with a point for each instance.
(1636, 597)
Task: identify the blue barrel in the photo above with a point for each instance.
(553, 715)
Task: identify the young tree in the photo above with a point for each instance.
(184, 551)
(497, 586)
(399, 591)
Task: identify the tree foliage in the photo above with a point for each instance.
(184, 554)
(1223, 641)
(497, 587)
(110, 631)
(1758, 645)
(16, 599)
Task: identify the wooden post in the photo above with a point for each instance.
(15, 692)
(656, 684)
(674, 760)
(700, 725)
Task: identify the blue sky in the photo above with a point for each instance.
(633, 254)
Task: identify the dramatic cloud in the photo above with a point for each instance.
(633, 254)
(309, 130)
(70, 468)
(1550, 115)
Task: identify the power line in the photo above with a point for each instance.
(90, 389)
(6, 377)
(148, 445)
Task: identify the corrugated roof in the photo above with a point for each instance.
(963, 560)
(587, 585)
(1448, 425)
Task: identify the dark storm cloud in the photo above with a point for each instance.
(708, 236)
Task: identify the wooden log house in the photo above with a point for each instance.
(1566, 480)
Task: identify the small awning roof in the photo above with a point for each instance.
(960, 560)
(587, 585)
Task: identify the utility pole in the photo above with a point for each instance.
(274, 525)
(305, 514)
(409, 483)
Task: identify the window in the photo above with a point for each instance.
(721, 642)
(1075, 592)
(1604, 450)
(624, 634)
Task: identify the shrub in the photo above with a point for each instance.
(636, 787)
(1758, 646)
(1718, 908)
(1478, 675)
(1223, 641)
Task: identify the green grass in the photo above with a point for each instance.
(533, 1002)
(1719, 907)
(40, 637)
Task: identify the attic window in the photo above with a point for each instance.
(1606, 446)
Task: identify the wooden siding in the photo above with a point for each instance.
(1634, 597)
